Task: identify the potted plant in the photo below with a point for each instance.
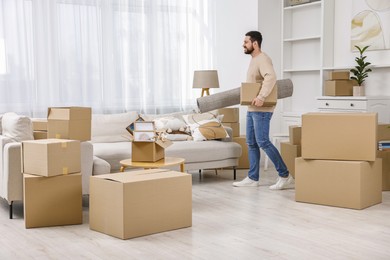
(360, 72)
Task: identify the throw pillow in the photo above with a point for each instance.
(17, 127)
(196, 118)
(208, 130)
(169, 123)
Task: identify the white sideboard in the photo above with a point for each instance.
(378, 104)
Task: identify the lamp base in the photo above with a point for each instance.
(205, 90)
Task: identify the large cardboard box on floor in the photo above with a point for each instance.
(139, 203)
(52, 201)
(385, 156)
(250, 90)
(347, 184)
(339, 87)
(69, 123)
(289, 152)
(243, 161)
(339, 136)
(51, 157)
(230, 114)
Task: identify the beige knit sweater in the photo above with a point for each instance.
(261, 70)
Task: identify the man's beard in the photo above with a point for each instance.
(248, 51)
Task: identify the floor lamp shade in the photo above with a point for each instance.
(205, 79)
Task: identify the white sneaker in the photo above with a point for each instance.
(246, 183)
(282, 183)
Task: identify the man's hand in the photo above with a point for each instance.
(257, 102)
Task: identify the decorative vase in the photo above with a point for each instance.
(358, 91)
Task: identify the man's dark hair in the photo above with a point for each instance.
(255, 37)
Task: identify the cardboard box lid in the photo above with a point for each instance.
(142, 175)
(69, 113)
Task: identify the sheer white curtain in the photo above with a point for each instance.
(112, 55)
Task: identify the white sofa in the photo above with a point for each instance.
(111, 144)
(19, 128)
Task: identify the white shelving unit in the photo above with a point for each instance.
(307, 48)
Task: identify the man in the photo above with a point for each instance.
(258, 117)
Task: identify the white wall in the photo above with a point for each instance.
(378, 82)
(234, 19)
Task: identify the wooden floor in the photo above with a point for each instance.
(228, 223)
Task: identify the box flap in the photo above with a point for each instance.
(164, 144)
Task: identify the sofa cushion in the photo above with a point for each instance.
(17, 127)
(109, 128)
(207, 151)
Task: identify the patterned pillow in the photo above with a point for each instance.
(208, 130)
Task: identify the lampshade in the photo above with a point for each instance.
(205, 79)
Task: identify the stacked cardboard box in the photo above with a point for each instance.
(243, 161)
(51, 182)
(231, 118)
(291, 149)
(39, 128)
(72, 123)
(339, 165)
(147, 146)
(384, 134)
(339, 84)
(127, 205)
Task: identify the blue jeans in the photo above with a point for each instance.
(257, 136)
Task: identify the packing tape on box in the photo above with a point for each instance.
(65, 171)
(64, 145)
(58, 136)
(232, 97)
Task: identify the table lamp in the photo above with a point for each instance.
(205, 79)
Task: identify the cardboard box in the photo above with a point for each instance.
(250, 90)
(339, 87)
(69, 123)
(40, 135)
(139, 203)
(289, 152)
(235, 127)
(52, 201)
(383, 132)
(230, 114)
(149, 151)
(385, 156)
(243, 161)
(339, 136)
(39, 124)
(295, 134)
(51, 157)
(347, 184)
(334, 75)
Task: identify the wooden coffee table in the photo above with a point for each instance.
(167, 161)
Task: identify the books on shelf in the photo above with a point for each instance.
(384, 145)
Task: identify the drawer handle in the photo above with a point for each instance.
(352, 104)
(326, 104)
